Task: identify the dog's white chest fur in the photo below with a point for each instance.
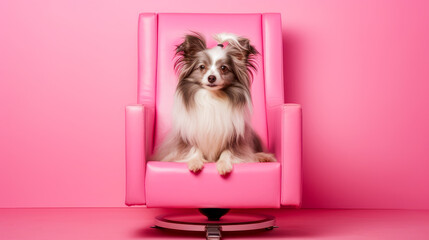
(210, 125)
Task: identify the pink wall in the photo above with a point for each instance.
(359, 69)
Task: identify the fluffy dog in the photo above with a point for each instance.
(213, 105)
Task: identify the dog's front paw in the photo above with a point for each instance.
(265, 157)
(224, 167)
(195, 165)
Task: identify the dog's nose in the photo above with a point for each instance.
(212, 79)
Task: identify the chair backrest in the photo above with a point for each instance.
(158, 36)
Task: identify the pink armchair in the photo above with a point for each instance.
(250, 185)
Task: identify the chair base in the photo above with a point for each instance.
(213, 214)
(213, 228)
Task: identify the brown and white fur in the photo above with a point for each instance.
(212, 105)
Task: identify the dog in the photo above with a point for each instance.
(213, 105)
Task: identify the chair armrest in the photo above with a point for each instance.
(286, 145)
(139, 124)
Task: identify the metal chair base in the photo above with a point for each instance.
(213, 229)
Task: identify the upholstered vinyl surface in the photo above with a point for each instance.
(250, 185)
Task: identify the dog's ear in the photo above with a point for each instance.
(247, 50)
(243, 52)
(192, 44)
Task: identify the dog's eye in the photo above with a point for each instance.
(224, 68)
(202, 67)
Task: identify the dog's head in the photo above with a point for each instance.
(229, 63)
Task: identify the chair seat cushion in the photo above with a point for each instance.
(249, 185)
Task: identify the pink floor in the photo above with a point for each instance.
(134, 223)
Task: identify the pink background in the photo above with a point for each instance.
(359, 69)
